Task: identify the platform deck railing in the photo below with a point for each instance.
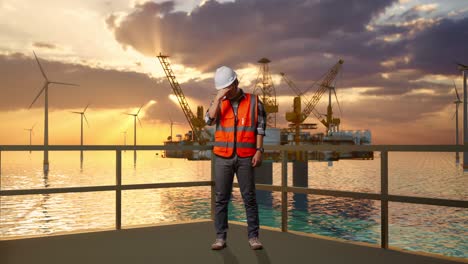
(384, 197)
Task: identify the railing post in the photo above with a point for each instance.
(213, 194)
(284, 191)
(0, 169)
(384, 198)
(118, 191)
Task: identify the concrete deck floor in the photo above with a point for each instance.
(190, 243)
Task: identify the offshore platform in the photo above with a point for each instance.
(297, 133)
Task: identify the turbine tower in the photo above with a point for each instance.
(81, 141)
(135, 117)
(463, 69)
(45, 89)
(457, 104)
(30, 137)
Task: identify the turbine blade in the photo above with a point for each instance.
(62, 83)
(341, 113)
(33, 126)
(456, 91)
(139, 121)
(86, 119)
(40, 92)
(40, 67)
(139, 109)
(453, 115)
(461, 65)
(75, 112)
(86, 108)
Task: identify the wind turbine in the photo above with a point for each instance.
(464, 68)
(135, 117)
(82, 115)
(45, 89)
(457, 104)
(30, 137)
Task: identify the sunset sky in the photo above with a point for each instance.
(397, 78)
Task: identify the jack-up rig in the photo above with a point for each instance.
(295, 134)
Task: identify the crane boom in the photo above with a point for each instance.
(291, 84)
(163, 59)
(324, 85)
(298, 92)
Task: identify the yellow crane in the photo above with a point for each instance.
(197, 123)
(298, 116)
(295, 116)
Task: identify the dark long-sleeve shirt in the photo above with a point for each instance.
(261, 119)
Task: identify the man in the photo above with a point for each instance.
(240, 126)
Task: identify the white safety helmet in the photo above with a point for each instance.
(224, 77)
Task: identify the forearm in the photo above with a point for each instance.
(214, 108)
(257, 158)
(259, 141)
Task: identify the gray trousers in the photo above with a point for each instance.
(224, 176)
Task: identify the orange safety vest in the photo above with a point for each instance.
(242, 128)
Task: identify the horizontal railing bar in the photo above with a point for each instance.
(101, 147)
(335, 193)
(103, 188)
(428, 201)
(323, 147)
(265, 187)
(396, 148)
(166, 185)
(360, 195)
(376, 196)
(58, 190)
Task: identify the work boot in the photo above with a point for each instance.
(255, 243)
(218, 244)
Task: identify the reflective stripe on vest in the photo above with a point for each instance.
(244, 129)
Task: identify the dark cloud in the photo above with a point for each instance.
(436, 49)
(295, 37)
(294, 34)
(44, 45)
(410, 107)
(240, 32)
(413, 13)
(433, 44)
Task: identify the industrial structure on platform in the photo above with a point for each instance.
(297, 131)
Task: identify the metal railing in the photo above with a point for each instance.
(384, 197)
